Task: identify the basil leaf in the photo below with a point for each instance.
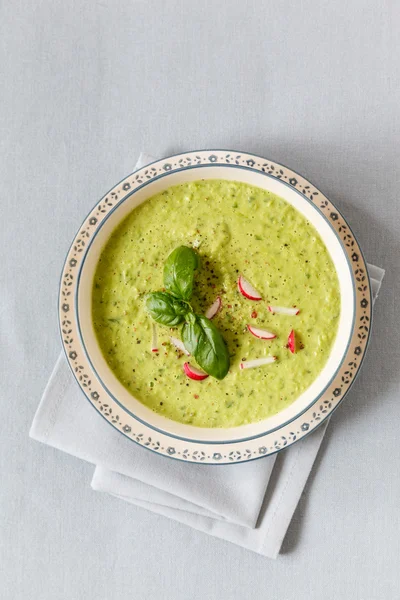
(165, 309)
(203, 340)
(179, 272)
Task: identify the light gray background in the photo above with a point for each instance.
(85, 87)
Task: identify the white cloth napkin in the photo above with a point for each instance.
(249, 504)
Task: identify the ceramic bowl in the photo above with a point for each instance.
(185, 442)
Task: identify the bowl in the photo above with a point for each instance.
(185, 442)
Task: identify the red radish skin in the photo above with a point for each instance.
(194, 373)
(214, 308)
(247, 290)
(261, 334)
(258, 362)
(292, 342)
(282, 310)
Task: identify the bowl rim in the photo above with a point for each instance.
(149, 424)
(235, 159)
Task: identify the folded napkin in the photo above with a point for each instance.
(250, 504)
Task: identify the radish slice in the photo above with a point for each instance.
(154, 340)
(284, 311)
(179, 344)
(258, 362)
(247, 290)
(194, 373)
(292, 342)
(214, 308)
(261, 334)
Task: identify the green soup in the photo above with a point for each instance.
(237, 229)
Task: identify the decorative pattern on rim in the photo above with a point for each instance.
(162, 443)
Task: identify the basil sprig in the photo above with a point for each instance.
(199, 335)
(165, 309)
(204, 341)
(179, 272)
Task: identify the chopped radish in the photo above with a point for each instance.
(179, 344)
(247, 290)
(292, 342)
(284, 311)
(214, 308)
(194, 373)
(262, 334)
(258, 362)
(154, 340)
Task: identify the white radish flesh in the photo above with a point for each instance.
(258, 362)
(282, 310)
(154, 340)
(247, 290)
(194, 373)
(179, 344)
(214, 308)
(261, 334)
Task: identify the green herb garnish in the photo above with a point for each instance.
(165, 309)
(199, 335)
(179, 272)
(204, 341)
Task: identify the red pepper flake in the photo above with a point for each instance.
(229, 305)
(254, 314)
(195, 396)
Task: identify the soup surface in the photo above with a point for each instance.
(237, 229)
